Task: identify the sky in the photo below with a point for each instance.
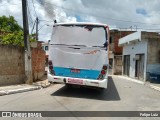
(132, 15)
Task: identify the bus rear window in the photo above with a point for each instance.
(87, 35)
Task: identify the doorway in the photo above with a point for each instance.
(126, 65)
(139, 66)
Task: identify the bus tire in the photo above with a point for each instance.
(68, 85)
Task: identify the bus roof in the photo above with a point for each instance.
(81, 23)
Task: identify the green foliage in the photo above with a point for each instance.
(11, 32)
(15, 38)
(9, 24)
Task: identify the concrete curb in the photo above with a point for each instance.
(43, 85)
(153, 87)
(35, 86)
(140, 82)
(7, 92)
(131, 79)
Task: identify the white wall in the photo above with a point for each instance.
(43, 45)
(132, 50)
(130, 38)
(47, 52)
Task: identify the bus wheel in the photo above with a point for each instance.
(68, 85)
(101, 89)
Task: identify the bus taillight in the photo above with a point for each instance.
(50, 65)
(103, 72)
(49, 62)
(104, 67)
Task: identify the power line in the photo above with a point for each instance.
(29, 14)
(114, 27)
(10, 4)
(47, 20)
(133, 28)
(99, 15)
(33, 27)
(44, 35)
(34, 8)
(125, 28)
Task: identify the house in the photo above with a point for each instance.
(115, 51)
(141, 54)
(45, 47)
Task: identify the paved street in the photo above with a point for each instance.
(121, 95)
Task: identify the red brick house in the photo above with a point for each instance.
(115, 51)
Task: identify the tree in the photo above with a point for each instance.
(9, 24)
(11, 32)
(15, 38)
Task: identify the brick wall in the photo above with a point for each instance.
(116, 35)
(11, 65)
(117, 50)
(38, 62)
(153, 51)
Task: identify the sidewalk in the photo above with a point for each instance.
(12, 89)
(155, 86)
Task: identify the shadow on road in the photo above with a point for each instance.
(109, 94)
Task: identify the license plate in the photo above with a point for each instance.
(75, 70)
(75, 81)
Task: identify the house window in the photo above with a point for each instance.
(46, 48)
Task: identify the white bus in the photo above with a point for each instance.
(78, 54)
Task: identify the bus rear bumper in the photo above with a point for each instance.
(78, 81)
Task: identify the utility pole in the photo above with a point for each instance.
(28, 60)
(37, 21)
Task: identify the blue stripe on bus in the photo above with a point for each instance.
(84, 73)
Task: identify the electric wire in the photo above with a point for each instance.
(103, 17)
(34, 9)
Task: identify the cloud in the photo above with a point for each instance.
(117, 13)
(9, 8)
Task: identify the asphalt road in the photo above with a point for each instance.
(121, 95)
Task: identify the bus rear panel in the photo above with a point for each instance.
(78, 54)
